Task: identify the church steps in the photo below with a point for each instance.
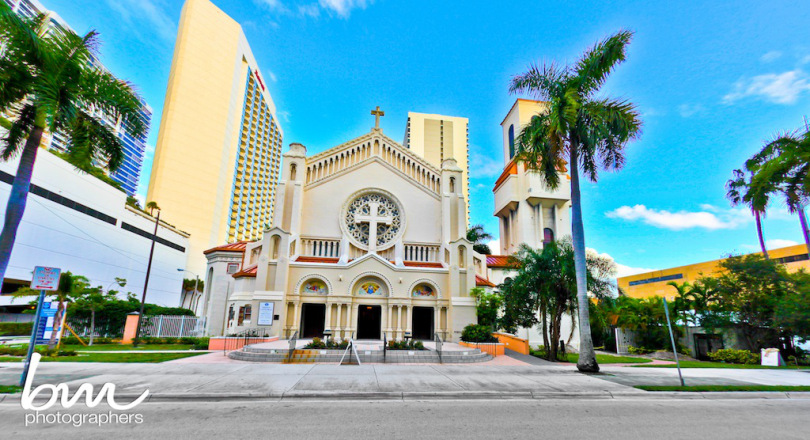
(254, 354)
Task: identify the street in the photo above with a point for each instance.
(641, 418)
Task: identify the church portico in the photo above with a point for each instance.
(368, 241)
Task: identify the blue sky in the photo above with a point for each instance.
(712, 80)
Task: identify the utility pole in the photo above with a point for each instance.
(146, 282)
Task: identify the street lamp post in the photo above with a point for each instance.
(146, 281)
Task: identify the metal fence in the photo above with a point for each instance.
(104, 328)
(168, 326)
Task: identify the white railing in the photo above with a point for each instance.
(317, 247)
(422, 253)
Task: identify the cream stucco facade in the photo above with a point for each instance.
(219, 145)
(439, 137)
(368, 238)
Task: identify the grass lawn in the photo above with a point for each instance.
(120, 347)
(605, 359)
(9, 389)
(702, 364)
(111, 357)
(695, 388)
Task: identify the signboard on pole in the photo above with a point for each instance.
(50, 321)
(266, 313)
(45, 278)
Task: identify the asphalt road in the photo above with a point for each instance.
(657, 419)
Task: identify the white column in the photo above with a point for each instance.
(355, 308)
(338, 326)
(296, 319)
(436, 319)
(384, 318)
(327, 320)
(408, 319)
(399, 321)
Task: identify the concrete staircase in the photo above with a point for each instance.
(252, 353)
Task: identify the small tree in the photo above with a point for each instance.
(477, 235)
(487, 306)
(94, 299)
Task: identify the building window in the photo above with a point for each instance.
(244, 314)
(548, 235)
(511, 141)
(233, 268)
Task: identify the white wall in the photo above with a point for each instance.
(55, 235)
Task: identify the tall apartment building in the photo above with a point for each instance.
(439, 137)
(218, 153)
(129, 173)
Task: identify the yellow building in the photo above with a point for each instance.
(439, 137)
(218, 152)
(655, 283)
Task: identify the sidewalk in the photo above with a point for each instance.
(214, 377)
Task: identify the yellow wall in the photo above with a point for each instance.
(438, 137)
(193, 170)
(694, 271)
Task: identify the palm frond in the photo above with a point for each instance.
(596, 64)
(542, 82)
(541, 149)
(91, 138)
(17, 134)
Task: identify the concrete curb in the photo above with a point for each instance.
(439, 395)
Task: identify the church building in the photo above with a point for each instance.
(368, 239)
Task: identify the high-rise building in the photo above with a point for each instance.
(217, 157)
(129, 172)
(438, 137)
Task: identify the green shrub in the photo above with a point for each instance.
(16, 328)
(404, 344)
(478, 333)
(200, 343)
(639, 350)
(732, 356)
(72, 340)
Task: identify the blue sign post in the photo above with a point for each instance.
(45, 278)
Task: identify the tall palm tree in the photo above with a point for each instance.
(783, 166)
(49, 82)
(740, 191)
(477, 235)
(152, 206)
(583, 130)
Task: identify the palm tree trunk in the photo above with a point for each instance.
(92, 325)
(587, 357)
(17, 199)
(758, 218)
(805, 232)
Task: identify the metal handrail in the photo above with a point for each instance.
(246, 336)
(385, 346)
(293, 342)
(438, 341)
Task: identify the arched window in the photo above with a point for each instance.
(293, 170)
(511, 141)
(452, 184)
(276, 242)
(462, 257)
(548, 235)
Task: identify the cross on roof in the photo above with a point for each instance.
(377, 113)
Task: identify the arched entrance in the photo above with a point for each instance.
(312, 320)
(422, 323)
(369, 322)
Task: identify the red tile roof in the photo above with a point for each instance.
(481, 281)
(499, 261)
(331, 260)
(239, 246)
(422, 264)
(247, 272)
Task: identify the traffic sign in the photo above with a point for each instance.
(46, 278)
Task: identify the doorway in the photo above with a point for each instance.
(422, 324)
(369, 322)
(312, 320)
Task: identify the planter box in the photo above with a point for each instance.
(219, 343)
(491, 348)
(513, 342)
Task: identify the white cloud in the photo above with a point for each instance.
(495, 246)
(272, 75)
(779, 88)
(621, 269)
(771, 56)
(145, 18)
(777, 243)
(689, 110)
(482, 165)
(709, 218)
(340, 8)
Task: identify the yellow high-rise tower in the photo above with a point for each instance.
(438, 137)
(218, 152)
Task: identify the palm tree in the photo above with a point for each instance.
(583, 130)
(739, 191)
(477, 235)
(152, 206)
(783, 166)
(50, 81)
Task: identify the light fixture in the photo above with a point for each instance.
(368, 307)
